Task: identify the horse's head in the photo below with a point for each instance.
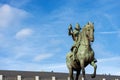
(90, 31)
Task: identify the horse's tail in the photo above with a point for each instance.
(68, 59)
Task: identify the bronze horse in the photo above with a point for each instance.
(85, 54)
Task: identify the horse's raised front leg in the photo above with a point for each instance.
(71, 74)
(95, 67)
(77, 74)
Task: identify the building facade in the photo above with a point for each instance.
(30, 75)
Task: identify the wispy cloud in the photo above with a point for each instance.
(109, 32)
(10, 16)
(109, 65)
(22, 50)
(106, 66)
(41, 57)
(105, 58)
(23, 33)
(18, 4)
(109, 59)
(59, 67)
(12, 64)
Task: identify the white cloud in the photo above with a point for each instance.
(22, 51)
(109, 59)
(109, 66)
(19, 4)
(109, 32)
(106, 66)
(23, 33)
(10, 16)
(13, 64)
(108, 62)
(42, 57)
(60, 67)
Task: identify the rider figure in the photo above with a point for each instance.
(76, 38)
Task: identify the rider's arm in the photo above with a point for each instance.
(70, 32)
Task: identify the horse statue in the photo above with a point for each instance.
(84, 55)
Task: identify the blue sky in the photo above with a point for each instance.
(34, 33)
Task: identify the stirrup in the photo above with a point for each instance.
(95, 61)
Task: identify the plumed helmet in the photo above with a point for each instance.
(77, 27)
(89, 22)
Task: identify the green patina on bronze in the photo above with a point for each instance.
(81, 53)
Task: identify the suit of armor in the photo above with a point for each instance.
(76, 38)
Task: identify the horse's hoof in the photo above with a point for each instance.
(92, 76)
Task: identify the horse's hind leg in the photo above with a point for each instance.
(95, 67)
(71, 74)
(77, 74)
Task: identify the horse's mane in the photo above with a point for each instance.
(83, 32)
(87, 25)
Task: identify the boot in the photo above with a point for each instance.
(95, 60)
(74, 54)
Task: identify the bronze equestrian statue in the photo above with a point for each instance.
(81, 51)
